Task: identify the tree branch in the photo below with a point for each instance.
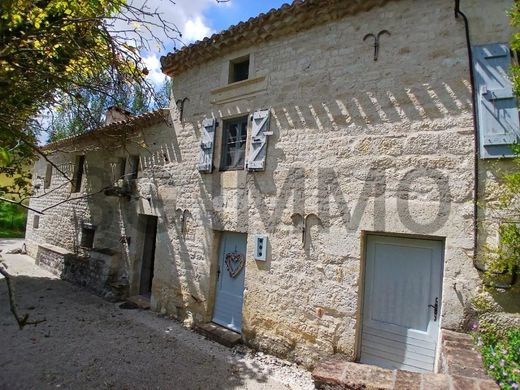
(21, 320)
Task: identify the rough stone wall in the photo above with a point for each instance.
(366, 146)
(387, 145)
(115, 219)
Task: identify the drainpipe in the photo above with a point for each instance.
(458, 13)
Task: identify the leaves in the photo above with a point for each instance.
(58, 56)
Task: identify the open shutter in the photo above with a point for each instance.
(497, 108)
(258, 147)
(207, 143)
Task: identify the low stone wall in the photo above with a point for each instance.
(52, 258)
(98, 270)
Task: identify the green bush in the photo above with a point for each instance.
(12, 220)
(501, 357)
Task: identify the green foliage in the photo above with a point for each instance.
(505, 258)
(69, 119)
(12, 220)
(59, 55)
(501, 357)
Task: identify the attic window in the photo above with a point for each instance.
(239, 69)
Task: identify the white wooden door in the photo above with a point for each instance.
(230, 283)
(401, 310)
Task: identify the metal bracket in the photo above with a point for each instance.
(376, 41)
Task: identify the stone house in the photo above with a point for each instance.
(312, 187)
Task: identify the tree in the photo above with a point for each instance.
(70, 119)
(59, 55)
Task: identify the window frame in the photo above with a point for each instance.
(36, 222)
(47, 181)
(234, 63)
(224, 149)
(134, 163)
(88, 233)
(79, 170)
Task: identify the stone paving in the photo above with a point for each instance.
(460, 369)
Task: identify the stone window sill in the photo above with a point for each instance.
(238, 90)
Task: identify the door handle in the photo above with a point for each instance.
(218, 274)
(435, 308)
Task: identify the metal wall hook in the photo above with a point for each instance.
(181, 107)
(182, 217)
(376, 41)
(302, 222)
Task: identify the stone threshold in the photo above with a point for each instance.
(460, 369)
(140, 302)
(337, 374)
(219, 334)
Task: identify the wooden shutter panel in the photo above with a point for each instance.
(497, 108)
(258, 147)
(207, 143)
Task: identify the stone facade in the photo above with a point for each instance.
(366, 146)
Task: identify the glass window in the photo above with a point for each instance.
(239, 69)
(234, 144)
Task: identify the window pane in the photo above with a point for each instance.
(234, 143)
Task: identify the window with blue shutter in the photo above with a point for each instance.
(207, 143)
(258, 147)
(497, 109)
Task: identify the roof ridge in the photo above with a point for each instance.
(235, 36)
(133, 120)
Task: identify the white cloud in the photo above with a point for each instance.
(196, 30)
(153, 65)
(187, 16)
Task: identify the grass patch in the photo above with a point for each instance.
(12, 220)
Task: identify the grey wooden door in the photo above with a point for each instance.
(401, 311)
(230, 282)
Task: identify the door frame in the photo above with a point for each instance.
(361, 286)
(215, 265)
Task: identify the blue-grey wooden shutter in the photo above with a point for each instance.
(497, 109)
(207, 143)
(258, 146)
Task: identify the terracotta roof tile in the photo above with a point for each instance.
(145, 119)
(289, 18)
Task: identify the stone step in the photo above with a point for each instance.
(219, 334)
(140, 301)
(337, 373)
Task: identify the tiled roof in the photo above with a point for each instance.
(300, 15)
(133, 122)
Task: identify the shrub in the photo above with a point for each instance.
(501, 357)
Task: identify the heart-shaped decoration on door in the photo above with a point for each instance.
(234, 263)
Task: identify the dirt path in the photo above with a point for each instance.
(89, 343)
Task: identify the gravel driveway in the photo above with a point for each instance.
(89, 343)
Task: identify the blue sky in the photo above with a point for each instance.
(197, 19)
(222, 16)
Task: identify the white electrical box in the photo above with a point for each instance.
(260, 247)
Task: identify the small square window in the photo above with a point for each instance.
(87, 236)
(234, 136)
(239, 69)
(36, 222)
